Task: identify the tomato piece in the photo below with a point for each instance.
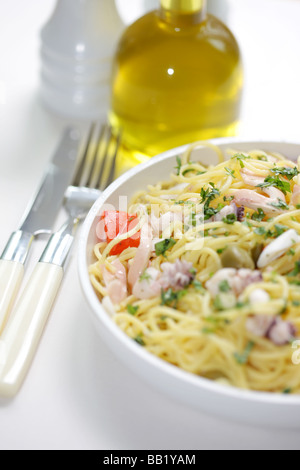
(118, 223)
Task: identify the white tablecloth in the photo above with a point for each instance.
(77, 394)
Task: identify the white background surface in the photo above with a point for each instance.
(77, 395)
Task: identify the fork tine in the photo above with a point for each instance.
(77, 181)
(94, 169)
(104, 157)
(97, 164)
(111, 174)
(101, 155)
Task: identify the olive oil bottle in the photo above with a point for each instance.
(177, 78)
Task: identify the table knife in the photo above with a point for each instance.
(38, 218)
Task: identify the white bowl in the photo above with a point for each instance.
(264, 409)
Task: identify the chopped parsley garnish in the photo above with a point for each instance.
(247, 224)
(198, 286)
(188, 170)
(228, 198)
(240, 157)
(132, 310)
(145, 276)
(279, 230)
(230, 172)
(218, 304)
(207, 196)
(164, 317)
(162, 247)
(192, 219)
(138, 339)
(280, 205)
(208, 331)
(210, 211)
(242, 358)
(195, 219)
(284, 307)
(289, 173)
(171, 298)
(241, 304)
(226, 300)
(259, 215)
(187, 203)
(296, 270)
(260, 231)
(224, 286)
(230, 219)
(287, 391)
(276, 182)
(262, 158)
(179, 165)
(217, 321)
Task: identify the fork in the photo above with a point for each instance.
(22, 333)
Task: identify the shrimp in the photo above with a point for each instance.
(147, 286)
(253, 200)
(142, 256)
(250, 178)
(116, 284)
(296, 195)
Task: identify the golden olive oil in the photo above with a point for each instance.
(177, 78)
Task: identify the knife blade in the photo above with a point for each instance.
(38, 218)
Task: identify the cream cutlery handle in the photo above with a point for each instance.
(12, 263)
(11, 276)
(25, 326)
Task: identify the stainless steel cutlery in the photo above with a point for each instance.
(26, 322)
(38, 218)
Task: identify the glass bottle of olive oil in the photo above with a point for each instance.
(177, 78)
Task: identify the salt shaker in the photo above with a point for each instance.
(77, 46)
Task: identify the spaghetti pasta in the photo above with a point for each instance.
(213, 286)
